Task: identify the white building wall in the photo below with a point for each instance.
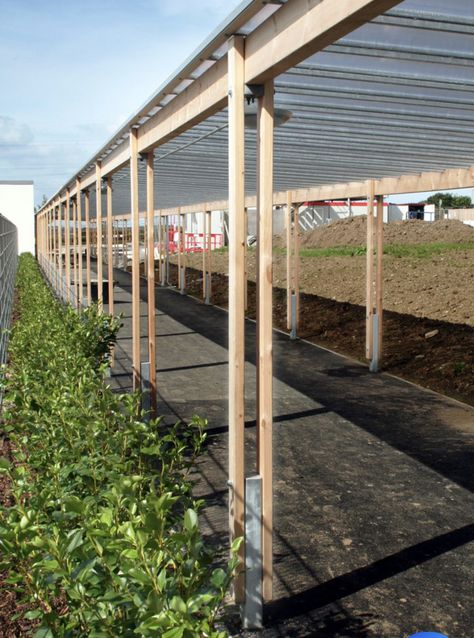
(17, 205)
(465, 215)
(319, 214)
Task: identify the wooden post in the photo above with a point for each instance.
(182, 249)
(246, 268)
(60, 249)
(114, 242)
(151, 277)
(369, 315)
(48, 255)
(206, 257)
(236, 299)
(289, 259)
(379, 276)
(88, 246)
(292, 265)
(98, 225)
(135, 257)
(55, 248)
(53, 256)
(110, 246)
(74, 250)
(53, 253)
(204, 254)
(165, 271)
(160, 248)
(179, 251)
(79, 242)
(124, 226)
(44, 240)
(296, 262)
(68, 248)
(264, 326)
(145, 244)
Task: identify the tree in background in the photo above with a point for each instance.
(40, 206)
(448, 200)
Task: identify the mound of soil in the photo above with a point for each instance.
(443, 362)
(353, 232)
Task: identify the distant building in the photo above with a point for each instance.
(465, 215)
(317, 213)
(17, 205)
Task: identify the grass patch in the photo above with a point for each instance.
(420, 251)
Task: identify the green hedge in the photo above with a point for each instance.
(103, 535)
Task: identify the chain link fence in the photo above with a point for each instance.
(8, 265)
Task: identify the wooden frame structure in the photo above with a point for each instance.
(287, 36)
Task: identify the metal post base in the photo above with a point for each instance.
(208, 288)
(374, 363)
(145, 388)
(293, 335)
(252, 613)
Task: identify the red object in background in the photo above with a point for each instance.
(193, 242)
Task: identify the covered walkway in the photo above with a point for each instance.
(287, 102)
(372, 493)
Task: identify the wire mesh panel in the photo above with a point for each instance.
(8, 264)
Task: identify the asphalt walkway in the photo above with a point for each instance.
(373, 477)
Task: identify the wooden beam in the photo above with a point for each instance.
(421, 182)
(264, 327)
(236, 87)
(68, 248)
(116, 160)
(369, 280)
(88, 246)
(204, 97)
(98, 225)
(135, 258)
(298, 30)
(302, 28)
(151, 277)
(110, 247)
(432, 181)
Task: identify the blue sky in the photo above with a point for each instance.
(72, 71)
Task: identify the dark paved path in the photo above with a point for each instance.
(373, 477)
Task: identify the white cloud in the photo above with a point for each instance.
(13, 132)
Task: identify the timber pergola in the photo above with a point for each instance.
(374, 98)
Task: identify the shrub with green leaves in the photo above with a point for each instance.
(103, 533)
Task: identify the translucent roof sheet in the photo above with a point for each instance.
(394, 97)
